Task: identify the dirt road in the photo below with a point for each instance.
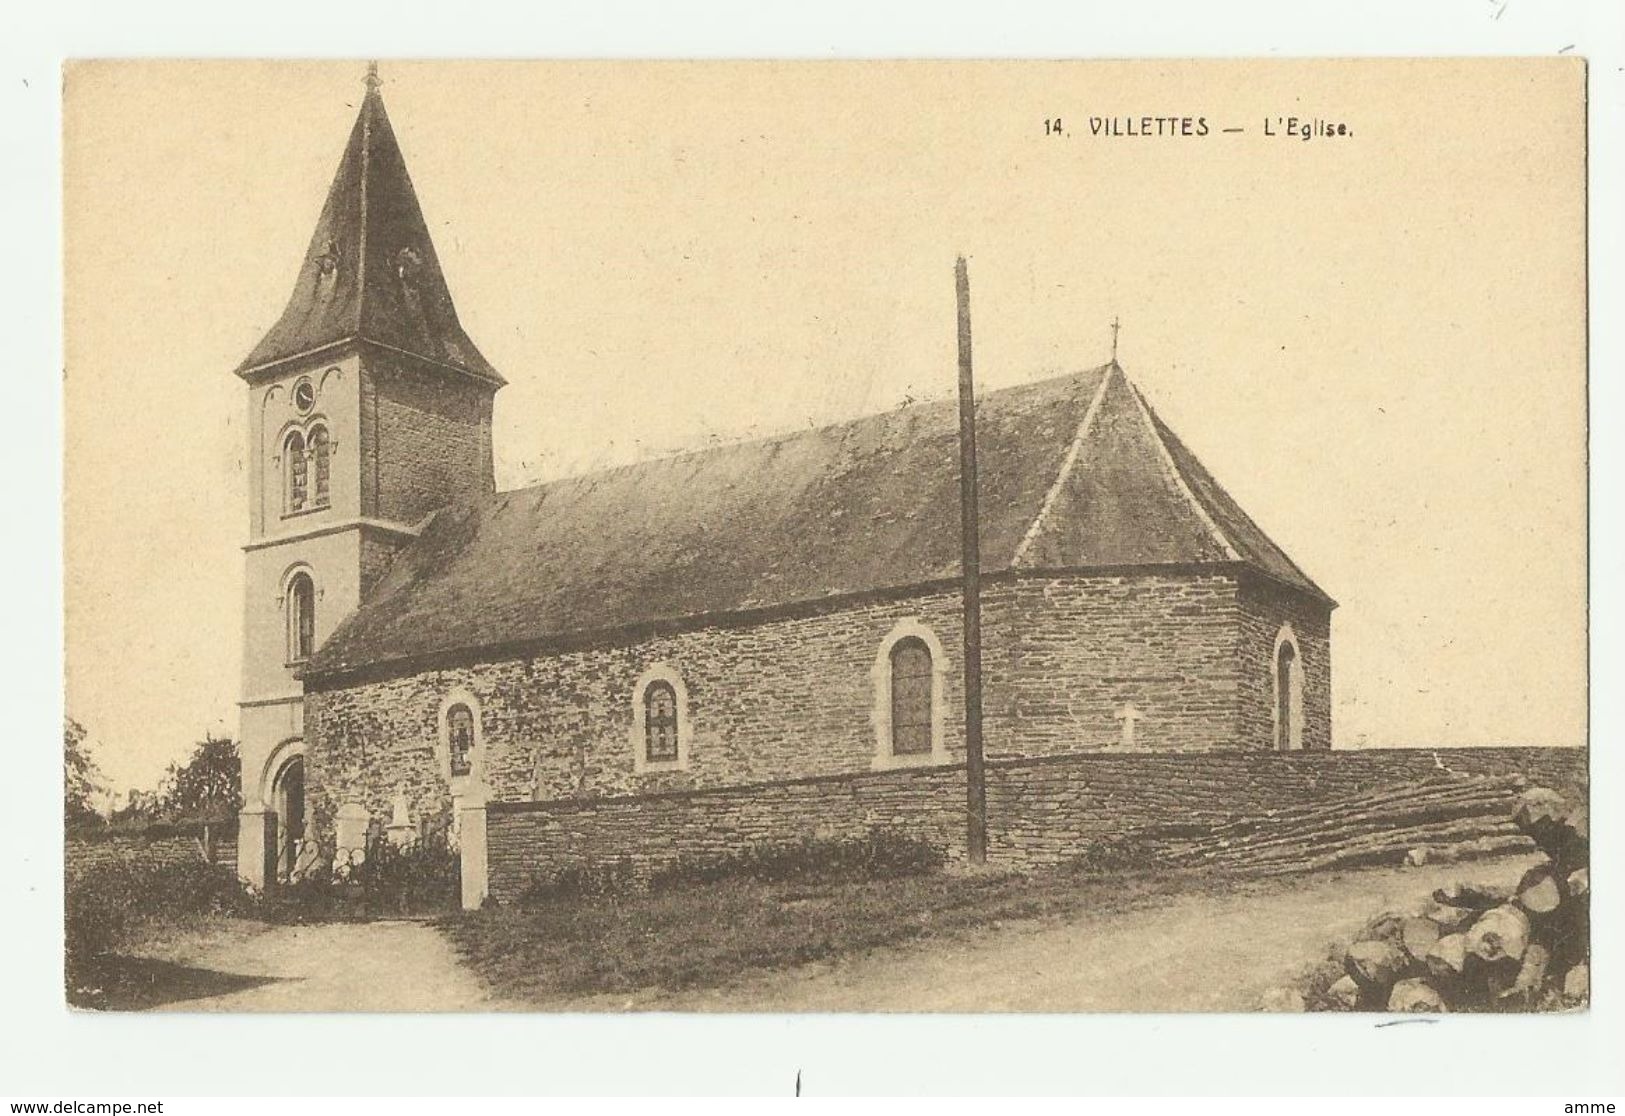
(375, 966)
(1186, 953)
(1193, 953)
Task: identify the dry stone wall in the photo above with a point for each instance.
(83, 853)
(1040, 811)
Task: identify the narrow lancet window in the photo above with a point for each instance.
(301, 618)
(460, 738)
(319, 456)
(910, 697)
(1286, 698)
(660, 722)
(296, 467)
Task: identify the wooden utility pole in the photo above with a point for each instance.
(971, 574)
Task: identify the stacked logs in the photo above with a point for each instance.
(1443, 819)
(1477, 948)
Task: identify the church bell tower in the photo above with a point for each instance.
(368, 408)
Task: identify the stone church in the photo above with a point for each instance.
(760, 614)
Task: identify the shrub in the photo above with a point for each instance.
(423, 875)
(877, 855)
(1124, 852)
(580, 881)
(104, 900)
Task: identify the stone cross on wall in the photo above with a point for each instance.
(1128, 715)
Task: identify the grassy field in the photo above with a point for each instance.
(705, 935)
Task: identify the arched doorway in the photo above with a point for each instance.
(288, 798)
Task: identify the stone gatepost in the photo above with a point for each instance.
(256, 846)
(472, 855)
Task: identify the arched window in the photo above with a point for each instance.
(1288, 672)
(319, 448)
(301, 617)
(295, 466)
(660, 736)
(909, 675)
(660, 722)
(460, 738)
(910, 697)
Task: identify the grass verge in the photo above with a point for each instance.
(709, 934)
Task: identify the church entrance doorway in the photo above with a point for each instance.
(288, 794)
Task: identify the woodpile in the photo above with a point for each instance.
(1443, 819)
(1476, 948)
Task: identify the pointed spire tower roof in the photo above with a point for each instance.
(371, 273)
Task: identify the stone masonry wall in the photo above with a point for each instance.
(795, 697)
(783, 699)
(530, 840)
(1044, 811)
(85, 853)
(1065, 655)
(1040, 811)
(426, 440)
(1264, 609)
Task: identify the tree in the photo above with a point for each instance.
(208, 787)
(140, 808)
(81, 778)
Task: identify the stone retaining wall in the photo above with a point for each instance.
(1040, 811)
(83, 853)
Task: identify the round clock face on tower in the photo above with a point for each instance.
(304, 396)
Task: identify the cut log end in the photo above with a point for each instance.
(1375, 962)
(1448, 957)
(1344, 993)
(1577, 982)
(1501, 934)
(1416, 995)
(1539, 892)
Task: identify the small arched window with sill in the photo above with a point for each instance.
(909, 676)
(660, 736)
(660, 722)
(460, 738)
(301, 617)
(911, 680)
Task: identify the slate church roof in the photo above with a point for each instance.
(370, 272)
(1076, 472)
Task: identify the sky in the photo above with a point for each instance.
(1375, 341)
